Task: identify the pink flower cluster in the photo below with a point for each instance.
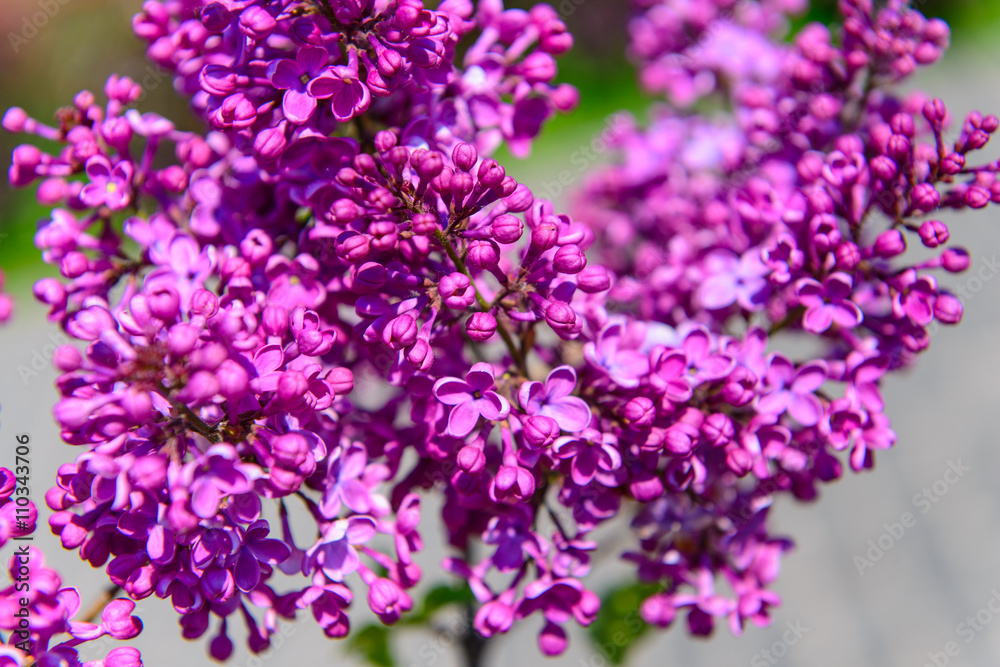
(333, 301)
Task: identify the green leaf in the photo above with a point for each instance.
(618, 625)
(372, 644)
(437, 598)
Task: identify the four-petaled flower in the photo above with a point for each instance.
(828, 303)
(553, 400)
(109, 185)
(471, 399)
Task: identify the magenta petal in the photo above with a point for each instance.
(452, 391)
(817, 320)
(270, 551)
(530, 397)
(810, 378)
(805, 409)
(493, 406)
(571, 413)
(205, 498)
(298, 106)
(462, 419)
(481, 377)
(246, 572)
(774, 403)
(93, 194)
(847, 314)
(284, 74)
(355, 495)
(360, 530)
(324, 86)
(561, 382)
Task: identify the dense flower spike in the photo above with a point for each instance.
(334, 300)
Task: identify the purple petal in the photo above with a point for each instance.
(571, 413)
(530, 397)
(360, 530)
(311, 59)
(285, 74)
(452, 391)
(247, 571)
(298, 106)
(817, 319)
(717, 292)
(463, 419)
(810, 378)
(205, 498)
(805, 409)
(561, 382)
(270, 551)
(355, 495)
(481, 377)
(493, 406)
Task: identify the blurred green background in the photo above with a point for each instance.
(80, 42)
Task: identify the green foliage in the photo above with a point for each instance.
(437, 599)
(371, 643)
(619, 625)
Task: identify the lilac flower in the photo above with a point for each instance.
(471, 399)
(617, 352)
(341, 84)
(257, 548)
(828, 303)
(731, 279)
(553, 400)
(344, 484)
(110, 185)
(215, 474)
(791, 389)
(591, 454)
(295, 77)
(334, 554)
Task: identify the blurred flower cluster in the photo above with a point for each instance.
(333, 301)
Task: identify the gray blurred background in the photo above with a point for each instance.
(902, 611)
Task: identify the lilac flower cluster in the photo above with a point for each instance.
(340, 223)
(788, 213)
(35, 609)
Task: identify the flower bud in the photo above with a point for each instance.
(506, 228)
(465, 156)
(640, 412)
(483, 254)
(955, 260)
(204, 303)
(257, 23)
(400, 332)
(540, 431)
(544, 236)
(569, 259)
(926, 197)
(471, 460)
(934, 233)
(890, 243)
(562, 318)
(947, 309)
(456, 290)
(481, 327)
(848, 256)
